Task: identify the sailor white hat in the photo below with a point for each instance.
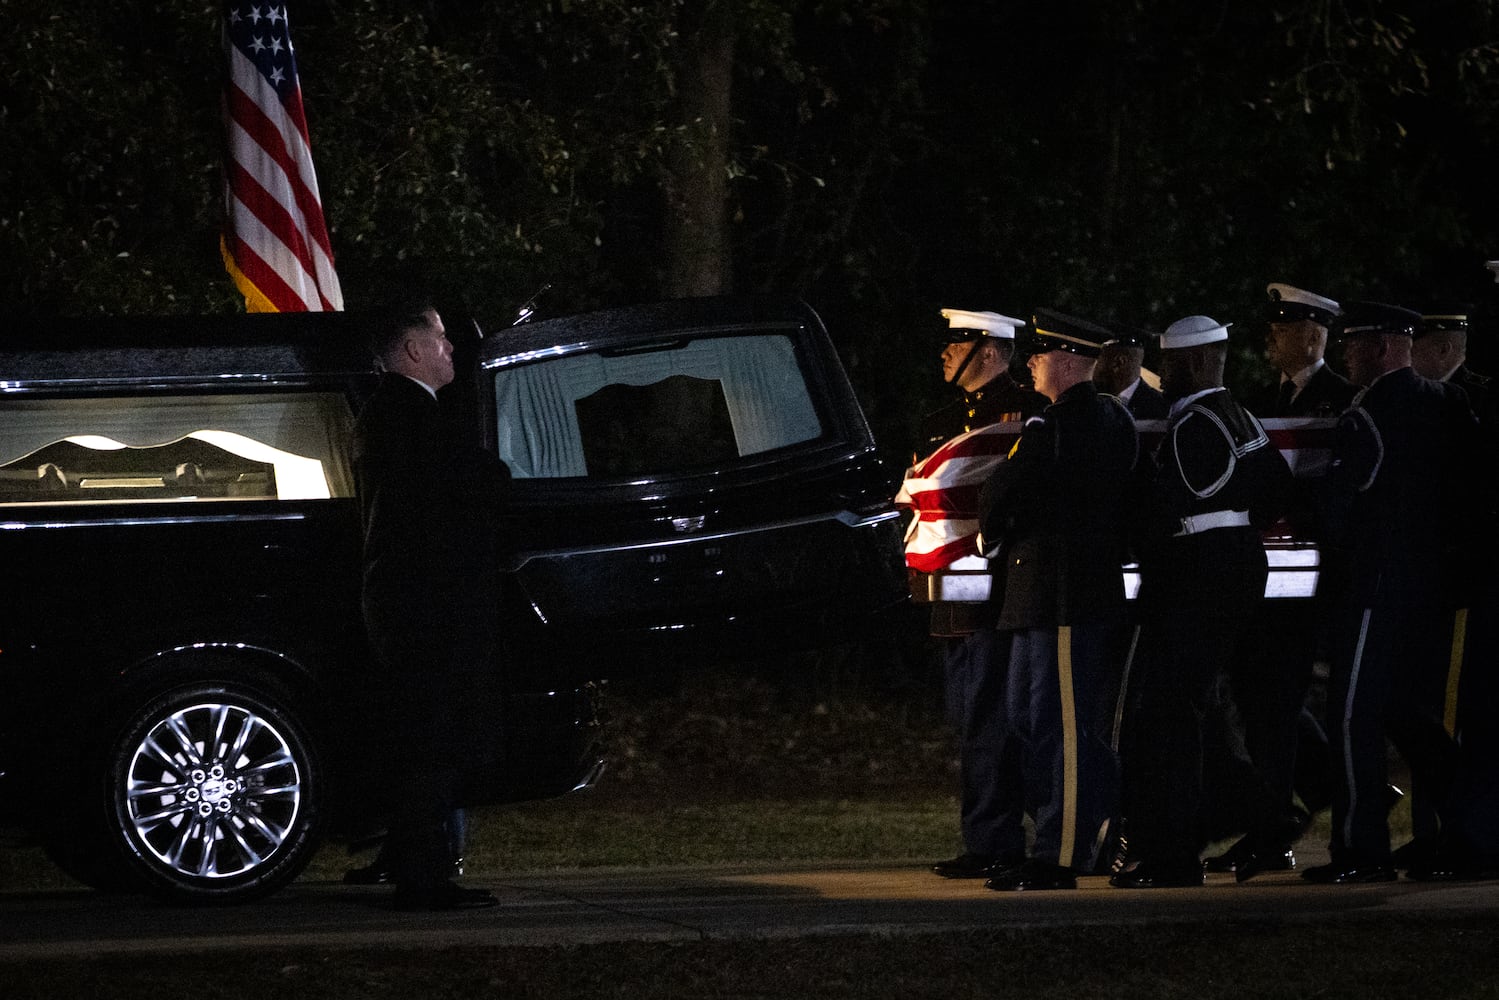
(1192, 331)
(966, 324)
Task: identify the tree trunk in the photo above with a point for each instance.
(696, 258)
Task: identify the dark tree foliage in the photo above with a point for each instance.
(1138, 160)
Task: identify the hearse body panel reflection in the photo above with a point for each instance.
(184, 676)
(708, 472)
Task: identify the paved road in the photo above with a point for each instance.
(681, 905)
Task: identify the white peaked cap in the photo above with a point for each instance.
(1192, 331)
(1292, 303)
(989, 323)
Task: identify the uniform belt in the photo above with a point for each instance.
(1193, 524)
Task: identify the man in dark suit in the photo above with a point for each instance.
(1059, 512)
(1218, 482)
(1402, 503)
(430, 590)
(1118, 373)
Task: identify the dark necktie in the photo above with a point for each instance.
(1283, 401)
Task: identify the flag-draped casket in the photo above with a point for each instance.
(941, 491)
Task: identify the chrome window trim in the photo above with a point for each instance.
(844, 517)
(110, 522)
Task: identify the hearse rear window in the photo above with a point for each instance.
(653, 409)
(187, 448)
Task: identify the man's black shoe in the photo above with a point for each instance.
(1149, 875)
(376, 872)
(1031, 876)
(1350, 873)
(1249, 857)
(1230, 859)
(1274, 859)
(967, 866)
(1419, 854)
(442, 896)
(1454, 863)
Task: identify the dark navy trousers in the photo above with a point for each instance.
(989, 770)
(1389, 680)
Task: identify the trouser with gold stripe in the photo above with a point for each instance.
(1059, 701)
(1473, 813)
(1389, 680)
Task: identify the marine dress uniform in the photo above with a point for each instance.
(1058, 511)
(961, 445)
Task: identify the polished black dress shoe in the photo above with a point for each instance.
(1451, 863)
(1419, 853)
(1230, 859)
(1273, 859)
(1154, 875)
(442, 896)
(376, 872)
(1032, 876)
(1249, 857)
(1350, 873)
(969, 866)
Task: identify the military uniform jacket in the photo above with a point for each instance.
(1214, 461)
(1216, 457)
(1403, 496)
(998, 400)
(1482, 397)
(1001, 399)
(1059, 510)
(1326, 394)
(1147, 402)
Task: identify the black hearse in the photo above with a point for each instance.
(181, 655)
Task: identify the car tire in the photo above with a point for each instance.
(214, 795)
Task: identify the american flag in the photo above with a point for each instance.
(276, 245)
(942, 491)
